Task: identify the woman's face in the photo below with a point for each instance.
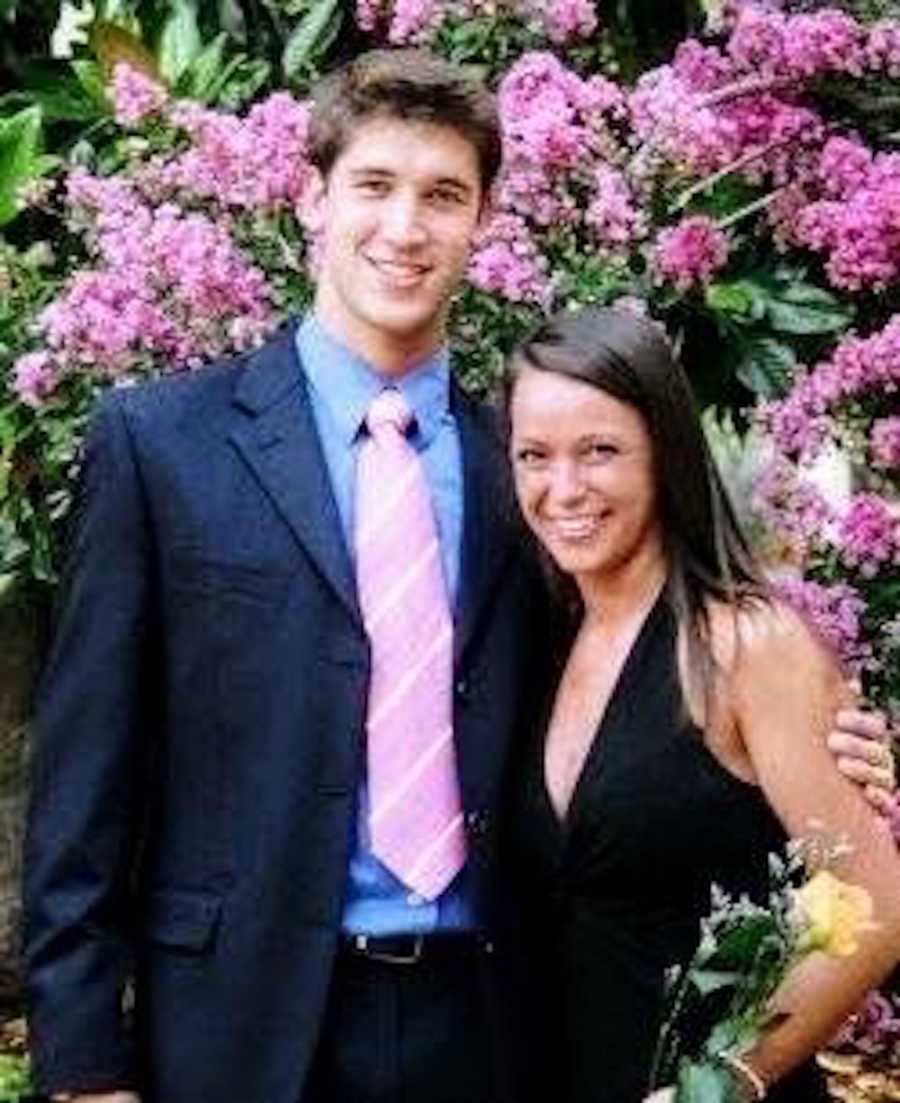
(583, 467)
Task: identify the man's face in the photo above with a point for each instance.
(396, 217)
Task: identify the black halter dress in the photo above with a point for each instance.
(616, 890)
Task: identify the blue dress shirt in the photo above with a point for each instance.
(341, 388)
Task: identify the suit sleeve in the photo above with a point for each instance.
(90, 760)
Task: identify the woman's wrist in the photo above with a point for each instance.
(752, 1085)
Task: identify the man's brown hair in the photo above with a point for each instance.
(411, 85)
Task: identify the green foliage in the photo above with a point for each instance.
(768, 318)
(705, 1082)
(484, 332)
(21, 158)
(311, 39)
(180, 43)
(15, 1077)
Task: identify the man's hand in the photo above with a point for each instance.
(862, 743)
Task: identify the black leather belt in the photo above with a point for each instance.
(411, 949)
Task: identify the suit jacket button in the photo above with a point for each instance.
(461, 689)
(477, 824)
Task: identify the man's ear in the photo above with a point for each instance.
(312, 203)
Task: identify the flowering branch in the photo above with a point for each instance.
(747, 86)
(728, 170)
(750, 209)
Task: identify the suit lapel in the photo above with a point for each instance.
(488, 511)
(277, 437)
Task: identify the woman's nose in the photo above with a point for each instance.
(566, 483)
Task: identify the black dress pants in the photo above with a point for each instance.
(406, 1033)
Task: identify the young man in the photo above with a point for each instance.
(298, 631)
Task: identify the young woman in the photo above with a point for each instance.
(686, 738)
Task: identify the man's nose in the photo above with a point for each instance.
(403, 224)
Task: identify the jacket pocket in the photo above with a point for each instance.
(220, 577)
(182, 920)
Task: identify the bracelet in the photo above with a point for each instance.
(746, 1072)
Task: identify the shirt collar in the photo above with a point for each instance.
(346, 383)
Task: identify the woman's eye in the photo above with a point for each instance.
(529, 457)
(600, 451)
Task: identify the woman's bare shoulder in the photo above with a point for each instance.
(765, 634)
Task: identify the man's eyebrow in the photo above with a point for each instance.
(371, 170)
(379, 172)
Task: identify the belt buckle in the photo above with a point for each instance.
(361, 943)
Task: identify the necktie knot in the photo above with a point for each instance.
(389, 408)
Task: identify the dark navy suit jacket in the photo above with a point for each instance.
(198, 736)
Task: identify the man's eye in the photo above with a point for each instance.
(373, 187)
(600, 451)
(446, 196)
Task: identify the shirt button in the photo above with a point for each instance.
(415, 900)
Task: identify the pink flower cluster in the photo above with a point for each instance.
(529, 191)
(169, 285)
(135, 96)
(506, 261)
(883, 48)
(552, 118)
(875, 1028)
(35, 376)
(834, 612)
(797, 47)
(251, 162)
(856, 222)
(613, 214)
(860, 366)
(791, 505)
(673, 113)
(884, 442)
(690, 252)
(565, 20)
(869, 535)
(405, 22)
(561, 137)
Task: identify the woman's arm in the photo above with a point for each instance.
(782, 693)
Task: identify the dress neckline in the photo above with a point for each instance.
(593, 760)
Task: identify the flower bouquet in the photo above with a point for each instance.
(745, 952)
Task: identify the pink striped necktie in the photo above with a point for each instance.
(415, 816)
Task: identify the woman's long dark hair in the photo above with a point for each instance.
(707, 554)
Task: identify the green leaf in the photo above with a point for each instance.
(90, 76)
(204, 75)
(803, 309)
(8, 10)
(712, 980)
(312, 36)
(232, 19)
(244, 80)
(741, 301)
(703, 1083)
(20, 154)
(765, 365)
(180, 42)
(57, 91)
